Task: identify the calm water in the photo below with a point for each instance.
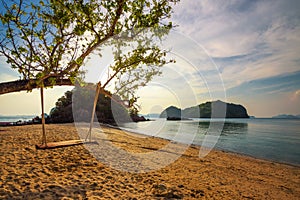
(271, 139)
(16, 118)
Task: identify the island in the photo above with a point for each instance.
(107, 111)
(204, 110)
(286, 116)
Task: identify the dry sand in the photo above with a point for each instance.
(73, 173)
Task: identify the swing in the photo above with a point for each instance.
(88, 139)
(67, 143)
(53, 145)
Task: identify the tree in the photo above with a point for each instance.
(64, 111)
(47, 42)
(137, 59)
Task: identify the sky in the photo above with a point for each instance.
(241, 51)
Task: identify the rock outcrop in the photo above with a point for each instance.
(215, 109)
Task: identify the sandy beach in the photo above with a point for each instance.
(73, 173)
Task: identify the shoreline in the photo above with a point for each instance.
(73, 173)
(145, 135)
(214, 148)
(258, 158)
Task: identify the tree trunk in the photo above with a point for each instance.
(25, 85)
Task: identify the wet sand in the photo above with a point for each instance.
(73, 173)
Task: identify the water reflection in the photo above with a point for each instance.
(235, 128)
(274, 139)
(229, 128)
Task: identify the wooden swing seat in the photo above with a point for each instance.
(67, 143)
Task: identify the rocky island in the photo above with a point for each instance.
(65, 109)
(204, 110)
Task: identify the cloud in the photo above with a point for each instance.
(295, 96)
(248, 39)
(267, 86)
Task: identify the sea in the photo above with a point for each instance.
(15, 118)
(270, 139)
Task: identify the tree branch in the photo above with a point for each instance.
(27, 85)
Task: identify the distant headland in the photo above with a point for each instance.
(286, 116)
(220, 110)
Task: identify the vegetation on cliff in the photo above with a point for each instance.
(107, 111)
(204, 110)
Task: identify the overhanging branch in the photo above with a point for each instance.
(27, 85)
